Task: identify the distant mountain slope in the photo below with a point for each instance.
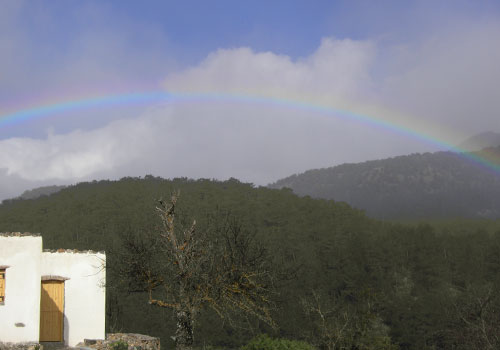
(430, 185)
(481, 141)
(40, 191)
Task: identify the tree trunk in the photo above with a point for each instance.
(184, 331)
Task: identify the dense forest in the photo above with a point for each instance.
(342, 279)
(417, 186)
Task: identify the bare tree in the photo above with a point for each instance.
(477, 321)
(331, 325)
(337, 326)
(187, 269)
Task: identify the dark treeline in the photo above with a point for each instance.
(350, 282)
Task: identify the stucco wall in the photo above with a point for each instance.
(84, 305)
(20, 314)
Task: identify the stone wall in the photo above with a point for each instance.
(19, 346)
(134, 341)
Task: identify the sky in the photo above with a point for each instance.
(274, 87)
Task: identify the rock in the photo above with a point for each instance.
(133, 340)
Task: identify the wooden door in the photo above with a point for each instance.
(51, 311)
(2, 285)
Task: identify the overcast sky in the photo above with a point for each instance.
(428, 66)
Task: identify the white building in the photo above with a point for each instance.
(49, 296)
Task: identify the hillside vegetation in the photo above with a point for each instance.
(418, 186)
(343, 280)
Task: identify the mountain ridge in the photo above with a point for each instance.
(416, 186)
(480, 141)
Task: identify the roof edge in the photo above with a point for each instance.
(54, 278)
(73, 251)
(19, 234)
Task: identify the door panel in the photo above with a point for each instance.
(51, 311)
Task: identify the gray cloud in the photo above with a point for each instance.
(451, 79)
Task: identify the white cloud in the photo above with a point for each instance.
(79, 154)
(337, 70)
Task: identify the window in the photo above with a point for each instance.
(2, 285)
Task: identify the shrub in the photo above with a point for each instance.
(119, 345)
(264, 342)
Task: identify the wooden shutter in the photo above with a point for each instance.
(2, 285)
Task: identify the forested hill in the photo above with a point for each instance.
(417, 186)
(77, 216)
(342, 280)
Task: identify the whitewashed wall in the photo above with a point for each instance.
(84, 304)
(20, 315)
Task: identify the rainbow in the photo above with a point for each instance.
(161, 97)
